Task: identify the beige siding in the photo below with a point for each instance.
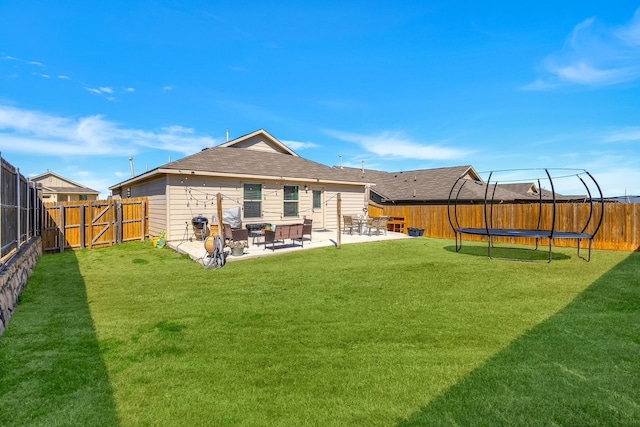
(259, 143)
(54, 181)
(352, 201)
(189, 196)
(155, 190)
(64, 197)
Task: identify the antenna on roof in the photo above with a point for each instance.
(227, 134)
(131, 164)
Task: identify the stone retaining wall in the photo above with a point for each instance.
(13, 279)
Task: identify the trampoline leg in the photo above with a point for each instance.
(490, 244)
(579, 242)
(458, 245)
(550, 249)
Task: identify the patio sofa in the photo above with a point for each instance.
(282, 232)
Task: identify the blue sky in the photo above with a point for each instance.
(84, 85)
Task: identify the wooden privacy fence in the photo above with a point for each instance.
(96, 223)
(620, 228)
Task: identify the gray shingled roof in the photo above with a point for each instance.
(416, 185)
(231, 160)
(434, 185)
(72, 190)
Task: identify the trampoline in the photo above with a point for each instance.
(539, 204)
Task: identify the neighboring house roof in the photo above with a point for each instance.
(70, 190)
(257, 155)
(434, 186)
(416, 186)
(72, 187)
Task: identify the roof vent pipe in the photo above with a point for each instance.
(340, 161)
(363, 167)
(227, 134)
(131, 165)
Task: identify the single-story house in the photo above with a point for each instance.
(256, 172)
(56, 188)
(272, 184)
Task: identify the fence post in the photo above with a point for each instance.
(17, 202)
(90, 223)
(1, 205)
(339, 209)
(112, 220)
(83, 224)
(62, 227)
(143, 233)
(27, 228)
(118, 225)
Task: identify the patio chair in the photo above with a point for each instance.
(348, 223)
(235, 234)
(306, 228)
(372, 224)
(383, 221)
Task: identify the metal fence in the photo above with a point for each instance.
(20, 210)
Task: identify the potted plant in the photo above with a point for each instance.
(237, 247)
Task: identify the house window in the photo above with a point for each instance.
(291, 200)
(252, 200)
(317, 199)
(83, 197)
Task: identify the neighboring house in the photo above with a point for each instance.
(258, 173)
(433, 187)
(423, 186)
(56, 188)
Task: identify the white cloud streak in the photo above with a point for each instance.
(32, 132)
(593, 55)
(397, 145)
(625, 135)
(297, 145)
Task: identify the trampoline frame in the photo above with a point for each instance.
(538, 233)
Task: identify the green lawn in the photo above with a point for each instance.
(402, 332)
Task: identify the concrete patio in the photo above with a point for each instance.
(319, 238)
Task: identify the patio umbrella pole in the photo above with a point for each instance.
(219, 202)
(339, 208)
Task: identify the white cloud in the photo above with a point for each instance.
(130, 89)
(32, 132)
(177, 129)
(167, 88)
(106, 90)
(586, 74)
(397, 145)
(593, 55)
(630, 134)
(63, 77)
(630, 33)
(297, 145)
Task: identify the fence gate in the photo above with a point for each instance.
(91, 224)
